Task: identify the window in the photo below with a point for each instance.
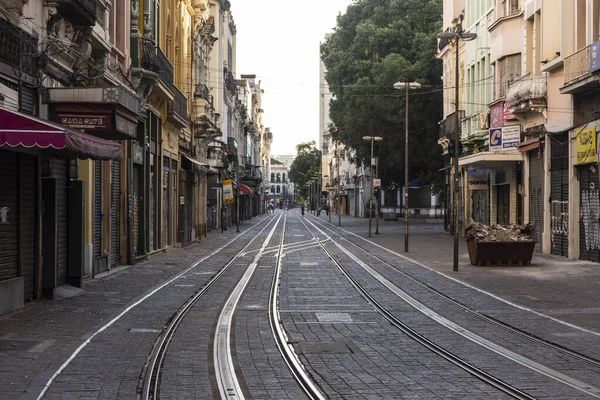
(507, 70)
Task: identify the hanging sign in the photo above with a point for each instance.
(505, 138)
(227, 191)
(586, 146)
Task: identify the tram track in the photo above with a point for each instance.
(149, 381)
(465, 308)
(579, 385)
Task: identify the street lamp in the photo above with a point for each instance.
(466, 37)
(372, 139)
(406, 86)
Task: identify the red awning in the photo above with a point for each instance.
(529, 145)
(245, 189)
(31, 134)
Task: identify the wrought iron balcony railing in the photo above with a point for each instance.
(18, 47)
(230, 82)
(80, 12)
(166, 69)
(149, 58)
(179, 108)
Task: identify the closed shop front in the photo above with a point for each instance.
(136, 207)
(115, 215)
(100, 261)
(559, 193)
(18, 199)
(60, 172)
(536, 194)
(589, 213)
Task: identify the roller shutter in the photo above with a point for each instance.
(536, 195)
(589, 214)
(97, 209)
(559, 194)
(115, 206)
(136, 208)
(9, 198)
(60, 171)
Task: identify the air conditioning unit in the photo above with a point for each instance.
(484, 121)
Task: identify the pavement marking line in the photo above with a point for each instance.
(118, 317)
(518, 358)
(580, 328)
(229, 385)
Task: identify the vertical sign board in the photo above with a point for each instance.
(505, 138)
(586, 146)
(594, 56)
(227, 191)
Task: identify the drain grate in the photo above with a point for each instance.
(524, 297)
(333, 317)
(97, 310)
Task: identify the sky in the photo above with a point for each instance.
(278, 41)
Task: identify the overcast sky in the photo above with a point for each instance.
(278, 40)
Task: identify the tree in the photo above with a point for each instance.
(306, 165)
(375, 44)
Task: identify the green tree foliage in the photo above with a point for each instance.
(375, 44)
(305, 166)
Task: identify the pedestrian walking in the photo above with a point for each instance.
(302, 210)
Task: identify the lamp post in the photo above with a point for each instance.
(465, 36)
(371, 139)
(406, 86)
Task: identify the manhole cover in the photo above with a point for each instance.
(325, 348)
(68, 291)
(333, 317)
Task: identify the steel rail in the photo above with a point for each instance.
(285, 348)
(422, 340)
(229, 385)
(149, 381)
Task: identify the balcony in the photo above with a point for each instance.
(578, 76)
(448, 125)
(13, 54)
(205, 120)
(78, 12)
(230, 82)
(177, 111)
(528, 94)
(165, 69)
(201, 91)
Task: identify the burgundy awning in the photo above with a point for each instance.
(40, 136)
(245, 189)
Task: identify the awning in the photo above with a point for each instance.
(245, 189)
(191, 160)
(529, 145)
(39, 136)
(491, 159)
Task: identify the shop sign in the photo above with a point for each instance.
(85, 121)
(125, 126)
(228, 191)
(478, 182)
(137, 153)
(506, 114)
(586, 146)
(594, 56)
(497, 115)
(505, 138)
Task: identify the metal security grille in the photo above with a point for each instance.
(503, 204)
(136, 208)
(115, 215)
(559, 193)
(97, 209)
(589, 213)
(333, 317)
(60, 170)
(481, 206)
(9, 176)
(536, 195)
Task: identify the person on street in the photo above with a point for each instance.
(302, 210)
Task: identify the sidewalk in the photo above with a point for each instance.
(564, 289)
